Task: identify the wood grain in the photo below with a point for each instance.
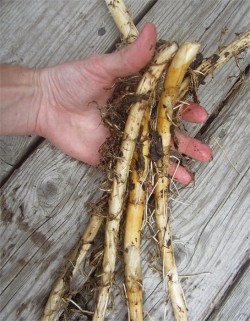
(13, 149)
(237, 304)
(54, 195)
(44, 201)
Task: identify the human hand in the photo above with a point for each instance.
(73, 93)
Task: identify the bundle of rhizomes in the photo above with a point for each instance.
(140, 116)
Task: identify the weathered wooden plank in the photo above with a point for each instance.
(37, 34)
(12, 150)
(42, 33)
(47, 207)
(33, 214)
(237, 305)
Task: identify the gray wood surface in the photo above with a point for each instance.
(13, 150)
(44, 203)
(237, 305)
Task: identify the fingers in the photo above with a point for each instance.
(193, 113)
(134, 57)
(191, 147)
(179, 173)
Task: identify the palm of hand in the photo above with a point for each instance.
(76, 91)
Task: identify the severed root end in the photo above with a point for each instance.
(55, 304)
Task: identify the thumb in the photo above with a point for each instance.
(134, 57)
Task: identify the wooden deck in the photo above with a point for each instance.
(45, 193)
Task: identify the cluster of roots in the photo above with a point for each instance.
(83, 291)
(114, 116)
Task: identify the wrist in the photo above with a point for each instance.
(35, 100)
(20, 100)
